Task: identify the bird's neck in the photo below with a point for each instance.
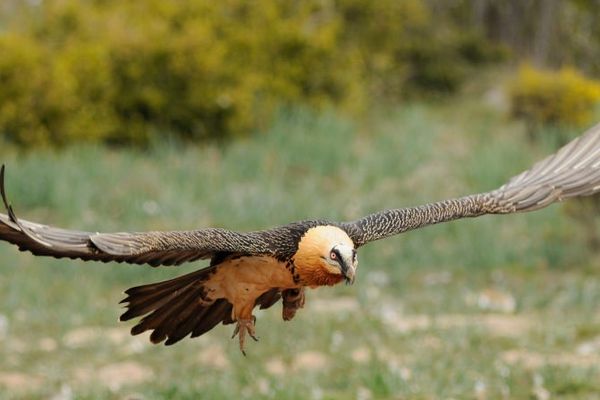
(313, 274)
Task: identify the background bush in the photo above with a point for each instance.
(563, 97)
(125, 72)
(122, 72)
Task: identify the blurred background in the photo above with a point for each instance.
(175, 115)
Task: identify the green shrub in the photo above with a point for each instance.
(563, 97)
(123, 72)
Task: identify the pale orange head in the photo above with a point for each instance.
(325, 256)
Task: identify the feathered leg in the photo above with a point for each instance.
(293, 299)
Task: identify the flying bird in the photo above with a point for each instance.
(259, 268)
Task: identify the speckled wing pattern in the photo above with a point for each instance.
(154, 248)
(572, 171)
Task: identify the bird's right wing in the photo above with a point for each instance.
(154, 248)
(572, 171)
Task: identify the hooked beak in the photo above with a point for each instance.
(347, 262)
(349, 274)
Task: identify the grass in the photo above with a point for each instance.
(495, 307)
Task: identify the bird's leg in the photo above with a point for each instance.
(293, 299)
(245, 326)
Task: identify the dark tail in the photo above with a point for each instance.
(175, 308)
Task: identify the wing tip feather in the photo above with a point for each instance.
(103, 242)
(3, 189)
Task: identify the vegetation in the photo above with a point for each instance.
(562, 97)
(107, 71)
(494, 307)
(123, 72)
(224, 114)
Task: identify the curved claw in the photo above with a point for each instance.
(243, 327)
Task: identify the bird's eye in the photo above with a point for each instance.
(333, 256)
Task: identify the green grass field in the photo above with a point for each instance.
(495, 307)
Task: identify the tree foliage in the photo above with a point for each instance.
(559, 97)
(121, 72)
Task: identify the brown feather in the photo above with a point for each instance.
(177, 307)
(218, 312)
(192, 317)
(267, 299)
(167, 315)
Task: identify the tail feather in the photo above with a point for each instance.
(165, 285)
(135, 310)
(143, 299)
(186, 324)
(167, 317)
(220, 311)
(175, 308)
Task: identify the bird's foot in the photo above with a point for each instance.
(293, 299)
(243, 327)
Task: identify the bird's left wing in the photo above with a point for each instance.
(572, 171)
(154, 248)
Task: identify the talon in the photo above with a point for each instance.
(235, 331)
(243, 327)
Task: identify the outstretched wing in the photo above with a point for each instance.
(154, 248)
(572, 171)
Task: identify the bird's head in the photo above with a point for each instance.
(326, 256)
(342, 260)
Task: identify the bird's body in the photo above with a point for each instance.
(230, 288)
(257, 269)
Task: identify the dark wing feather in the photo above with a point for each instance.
(268, 298)
(154, 248)
(572, 171)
